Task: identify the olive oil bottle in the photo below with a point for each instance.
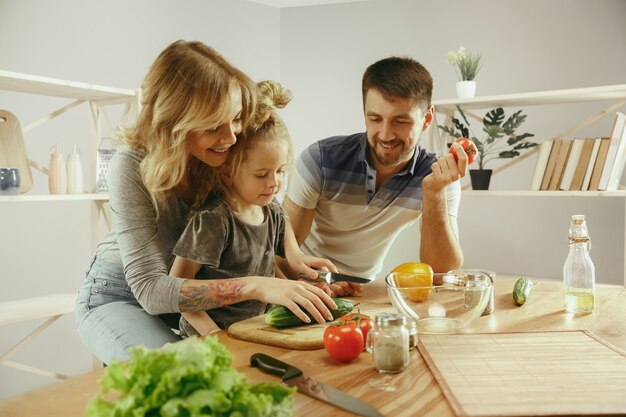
(579, 275)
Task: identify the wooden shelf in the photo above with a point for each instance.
(575, 95)
(52, 197)
(527, 193)
(614, 97)
(34, 84)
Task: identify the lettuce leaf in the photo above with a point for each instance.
(191, 378)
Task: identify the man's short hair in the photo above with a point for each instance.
(399, 77)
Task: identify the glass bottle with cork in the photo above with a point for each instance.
(579, 276)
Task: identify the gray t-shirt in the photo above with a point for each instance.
(228, 247)
(140, 241)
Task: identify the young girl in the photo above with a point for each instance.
(238, 232)
(194, 104)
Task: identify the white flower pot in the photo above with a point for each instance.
(465, 89)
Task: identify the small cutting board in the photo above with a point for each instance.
(300, 337)
(12, 149)
(528, 374)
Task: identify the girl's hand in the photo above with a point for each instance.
(304, 264)
(296, 296)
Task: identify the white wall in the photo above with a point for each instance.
(526, 46)
(45, 247)
(319, 53)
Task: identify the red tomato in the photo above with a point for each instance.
(365, 323)
(468, 146)
(344, 342)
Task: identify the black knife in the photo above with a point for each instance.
(331, 277)
(294, 377)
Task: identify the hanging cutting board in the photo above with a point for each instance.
(300, 337)
(528, 374)
(12, 149)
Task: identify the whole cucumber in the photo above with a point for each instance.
(279, 316)
(521, 290)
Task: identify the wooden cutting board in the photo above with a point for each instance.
(528, 374)
(12, 149)
(300, 337)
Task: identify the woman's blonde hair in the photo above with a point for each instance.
(265, 127)
(186, 89)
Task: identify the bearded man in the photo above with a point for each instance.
(350, 196)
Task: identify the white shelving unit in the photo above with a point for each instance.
(526, 193)
(98, 98)
(613, 95)
(50, 197)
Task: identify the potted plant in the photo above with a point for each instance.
(466, 67)
(497, 128)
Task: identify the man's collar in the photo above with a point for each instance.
(363, 154)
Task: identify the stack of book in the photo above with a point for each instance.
(594, 164)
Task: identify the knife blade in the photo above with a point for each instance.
(331, 277)
(294, 377)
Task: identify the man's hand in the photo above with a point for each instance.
(439, 246)
(446, 170)
(344, 289)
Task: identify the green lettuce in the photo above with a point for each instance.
(190, 378)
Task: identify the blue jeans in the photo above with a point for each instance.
(109, 319)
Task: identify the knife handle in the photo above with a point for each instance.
(322, 276)
(274, 366)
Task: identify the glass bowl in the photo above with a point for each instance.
(450, 305)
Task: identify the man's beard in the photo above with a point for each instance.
(391, 160)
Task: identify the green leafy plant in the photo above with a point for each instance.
(497, 128)
(465, 65)
(190, 378)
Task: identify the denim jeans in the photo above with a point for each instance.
(109, 319)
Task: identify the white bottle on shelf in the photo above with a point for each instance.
(57, 175)
(74, 173)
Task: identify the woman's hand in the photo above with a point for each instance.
(295, 295)
(336, 289)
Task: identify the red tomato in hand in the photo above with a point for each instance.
(468, 146)
(344, 342)
(365, 323)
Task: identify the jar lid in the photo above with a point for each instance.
(385, 319)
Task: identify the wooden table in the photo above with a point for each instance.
(411, 393)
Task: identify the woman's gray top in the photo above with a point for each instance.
(139, 240)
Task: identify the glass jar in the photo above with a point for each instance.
(411, 327)
(106, 150)
(388, 342)
(478, 277)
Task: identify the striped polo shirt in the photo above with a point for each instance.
(354, 225)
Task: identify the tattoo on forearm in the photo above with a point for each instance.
(205, 295)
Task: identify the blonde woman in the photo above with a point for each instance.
(194, 104)
(251, 223)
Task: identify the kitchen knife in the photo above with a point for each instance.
(294, 377)
(331, 277)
